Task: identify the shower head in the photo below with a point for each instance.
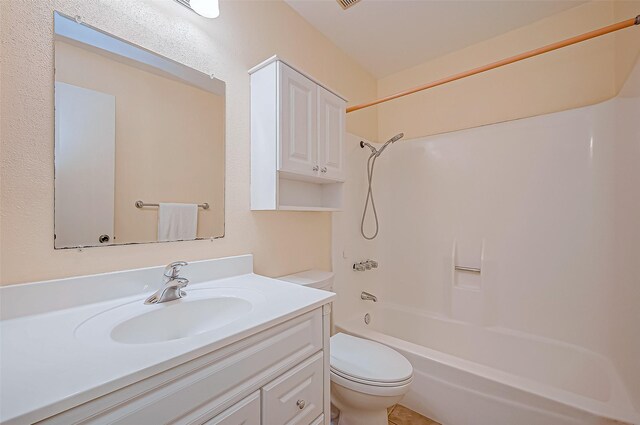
(392, 140)
(396, 138)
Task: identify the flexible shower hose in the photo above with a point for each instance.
(371, 162)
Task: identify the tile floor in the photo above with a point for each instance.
(400, 415)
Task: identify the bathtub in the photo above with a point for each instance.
(471, 375)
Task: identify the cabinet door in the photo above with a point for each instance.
(245, 412)
(295, 398)
(298, 144)
(331, 129)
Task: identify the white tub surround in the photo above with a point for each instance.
(496, 373)
(59, 356)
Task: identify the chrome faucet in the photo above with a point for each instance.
(173, 284)
(368, 297)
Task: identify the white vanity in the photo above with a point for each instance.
(238, 349)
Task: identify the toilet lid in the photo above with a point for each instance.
(368, 360)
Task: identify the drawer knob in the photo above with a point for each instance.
(316, 168)
(300, 404)
(323, 169)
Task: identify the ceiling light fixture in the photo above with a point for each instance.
(206, 8)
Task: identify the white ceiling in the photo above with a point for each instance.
(386, 36)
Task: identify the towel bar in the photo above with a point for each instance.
(140, 204)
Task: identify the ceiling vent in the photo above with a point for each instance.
(345, 4)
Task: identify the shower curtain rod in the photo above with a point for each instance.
(526, 55)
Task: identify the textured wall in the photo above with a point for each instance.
(246, 33)
(568, 78)
(627, 43)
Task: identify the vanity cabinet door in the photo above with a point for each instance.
(295, 398)
(298, 132)
(245, 412)
(331, 130)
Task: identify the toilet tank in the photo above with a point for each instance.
(318, 279)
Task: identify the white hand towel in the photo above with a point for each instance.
(177, 222)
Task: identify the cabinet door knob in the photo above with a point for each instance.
(315, 168)
(300, 404)
(324, 169)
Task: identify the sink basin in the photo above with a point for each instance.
(180, 319)
(201, 311)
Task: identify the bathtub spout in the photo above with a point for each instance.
(368, 297)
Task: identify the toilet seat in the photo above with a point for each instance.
(369, 382)
(369, 365)
(375, 390)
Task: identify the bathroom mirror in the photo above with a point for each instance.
(139, 143)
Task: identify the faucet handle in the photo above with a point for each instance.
(173, 270)
(181, 282)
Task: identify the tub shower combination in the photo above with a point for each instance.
(472, 367)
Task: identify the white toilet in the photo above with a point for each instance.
(318, 279)
(366, 379)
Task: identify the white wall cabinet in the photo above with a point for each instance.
(297, 136)
(242, 383)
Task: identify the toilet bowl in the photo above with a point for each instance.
(366, 379)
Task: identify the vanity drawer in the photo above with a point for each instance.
(245, 412)
(319, 420)
(200, 389)
(295, 397)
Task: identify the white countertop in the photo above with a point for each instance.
(46, 368)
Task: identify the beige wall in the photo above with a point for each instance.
(572, 77)
(246, 33)
(169, 141)
(627, 42)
